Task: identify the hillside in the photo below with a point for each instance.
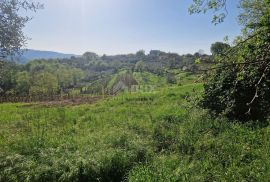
(158, 136)
(30, 54)
(94, 74)
(193, 107)
(79, 129)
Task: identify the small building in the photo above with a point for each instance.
(124, 83)
(184, 68)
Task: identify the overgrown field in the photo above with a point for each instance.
(155, 136)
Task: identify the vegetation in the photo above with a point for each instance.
(38, 78)
(172, 127)
(219, 48)
(92, 74)
(239, 84)
(135, 137)
(12, 38)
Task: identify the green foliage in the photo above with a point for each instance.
(171, 78)
(23, 83)
(44, 84)
(92, 74)
(217, 6)
(7, 80)
(140, 53)
(134, 137)
(239, 86)
(12, 23)
(42, 78)
(219, 48)
(198, 61)
(147, 78)
(140, 66)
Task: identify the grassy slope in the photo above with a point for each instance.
(138, 137)
(143, 78)
(147, 78)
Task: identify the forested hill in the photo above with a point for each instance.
(31, 54)
(91, 73)
(156, 61)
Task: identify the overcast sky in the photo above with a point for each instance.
(125, 26)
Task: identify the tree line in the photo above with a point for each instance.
(88, 73)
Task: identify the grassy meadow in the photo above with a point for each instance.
(158, 136)
(197, 112)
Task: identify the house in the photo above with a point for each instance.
(123, 83)
(184, 68)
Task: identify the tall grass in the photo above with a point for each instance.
(133, 137)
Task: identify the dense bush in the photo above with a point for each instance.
(239, 86)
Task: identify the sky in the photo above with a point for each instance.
(126, 26)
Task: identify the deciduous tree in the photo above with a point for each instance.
(12, 22)
(239, 86)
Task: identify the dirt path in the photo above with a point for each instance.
(67, 102)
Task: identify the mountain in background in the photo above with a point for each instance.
(30, 54)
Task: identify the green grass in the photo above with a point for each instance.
(147, 78)
(183, 77)
(155, 136)
(114, 78)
